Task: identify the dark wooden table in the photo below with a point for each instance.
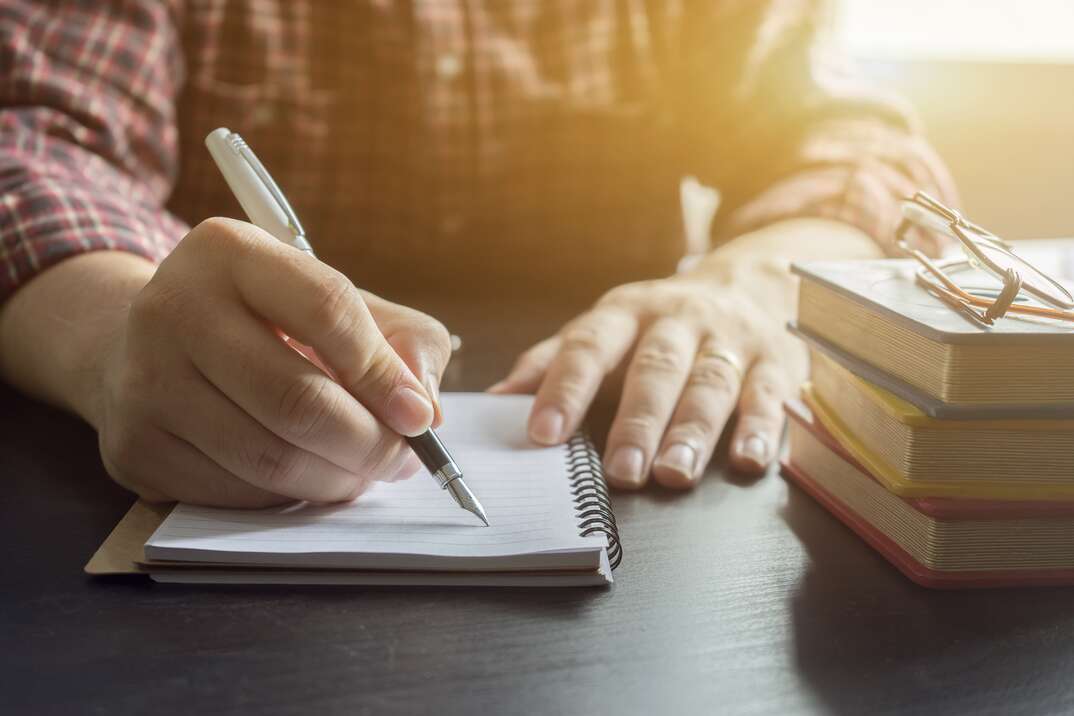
(740, 597)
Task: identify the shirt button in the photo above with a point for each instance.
(448, 66)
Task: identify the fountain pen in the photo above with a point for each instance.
(267, 208)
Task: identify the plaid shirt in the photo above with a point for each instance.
(525, 139)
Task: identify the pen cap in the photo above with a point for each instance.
(252, 185)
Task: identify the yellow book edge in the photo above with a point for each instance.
(909, 414)
(895, 482)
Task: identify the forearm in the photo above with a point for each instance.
(758, 262)
(56, 330)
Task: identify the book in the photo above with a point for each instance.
(551, 521)
(936, 542)
(914, 454)
(872, 313)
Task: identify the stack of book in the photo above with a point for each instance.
(946, 446)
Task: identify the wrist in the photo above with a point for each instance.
(57, 333)
(758, 263)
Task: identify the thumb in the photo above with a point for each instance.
(420, 341)
(426, 364)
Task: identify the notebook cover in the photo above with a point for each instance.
(121, 552)
(938, 508)
(1022, 490)
(930, 406)
(917, 572)
(887, 287)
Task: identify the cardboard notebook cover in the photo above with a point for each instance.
(938, 509)
(121, 552)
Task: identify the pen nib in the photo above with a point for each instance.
(465, 499)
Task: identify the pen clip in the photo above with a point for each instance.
(240, 147)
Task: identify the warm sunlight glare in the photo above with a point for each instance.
(987, 30)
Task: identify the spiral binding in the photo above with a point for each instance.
(592, 504)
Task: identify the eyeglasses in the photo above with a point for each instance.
(1022, 288)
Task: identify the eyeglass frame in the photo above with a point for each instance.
(924, 212)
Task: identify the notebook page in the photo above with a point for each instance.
(525, 490)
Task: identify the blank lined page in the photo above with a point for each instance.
(525, 489)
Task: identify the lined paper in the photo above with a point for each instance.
(414, 524)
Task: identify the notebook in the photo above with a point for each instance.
(936, 542)
(551, 520)
(874, 319)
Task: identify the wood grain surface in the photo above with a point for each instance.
(739, 597)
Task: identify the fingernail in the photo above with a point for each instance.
(495, 387)
(408, 411)
(755, 448)
(547, 426)
(680, 458)
(625, 465)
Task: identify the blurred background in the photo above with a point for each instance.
(993, 82)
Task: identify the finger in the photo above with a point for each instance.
(704, 407)
(422, 342)
(653, 383)
(277, 387)
(760, 418)
(321, 308)
(203, 416)
(590, 348)
(164, 468)
(529, 369)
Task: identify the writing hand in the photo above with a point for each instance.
(200, 400)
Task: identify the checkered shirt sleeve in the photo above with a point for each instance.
(87, 135)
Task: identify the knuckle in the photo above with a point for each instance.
(305, 406)
(584, 339)
(385, 457)
(713, 374)
(658, 355)
(624, 294)
(532, 359)
(438, 333)
(697, 307)
(216, 233)
(277, 465)
(569, 392)
(636, 428)
(334, 303)
(703, 428)
(377, 370)
(766, 391)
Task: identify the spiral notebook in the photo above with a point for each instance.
(551, 521)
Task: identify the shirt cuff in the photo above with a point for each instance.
(43, 223)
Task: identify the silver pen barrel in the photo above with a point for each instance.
(445, 471)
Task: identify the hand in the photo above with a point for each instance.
(201, 401)
(695, 351)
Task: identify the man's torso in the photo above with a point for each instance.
(492, 141)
